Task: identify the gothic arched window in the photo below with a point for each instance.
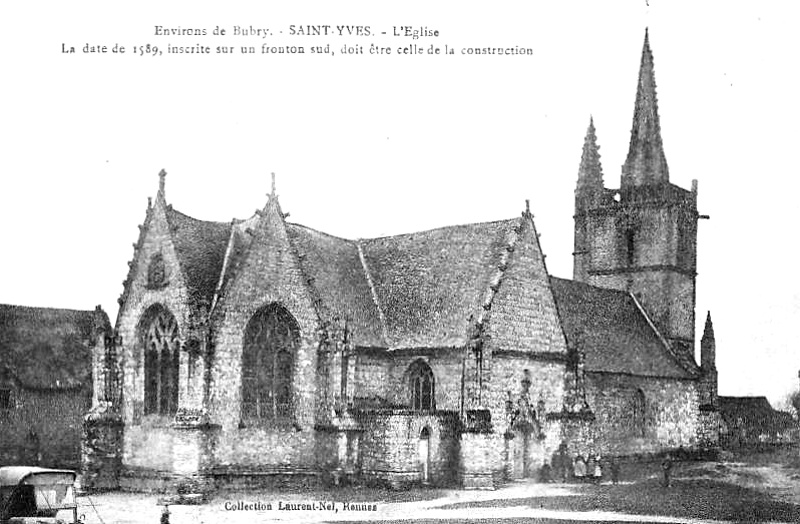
(161, 357)
(638, 416)
(271, 340)
(422, 386)
(156, 271)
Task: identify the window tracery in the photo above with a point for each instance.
(271, 342)
(161, 358)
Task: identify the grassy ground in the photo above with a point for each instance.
(700, 498)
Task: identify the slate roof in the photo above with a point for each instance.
(412, 290)
(615, 335)
(201, 247)
(340, 281)
(428, 284)
(44, 348)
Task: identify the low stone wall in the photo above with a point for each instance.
(390, 447)
(479, 465)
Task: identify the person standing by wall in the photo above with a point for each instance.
(666, 467)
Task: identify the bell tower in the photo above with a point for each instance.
(641, 238)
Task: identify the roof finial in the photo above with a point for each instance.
(272, 194)
(162, 175)
(527, 206)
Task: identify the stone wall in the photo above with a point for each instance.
(271, 261)
(671, 414)
(666, 289)
(43, 428)
(547, 386)
(101, 450)
(139, 298)
(446, 367)
(389, 447)
(708, 428)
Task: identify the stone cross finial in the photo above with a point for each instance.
(162, 175)
(272, 194)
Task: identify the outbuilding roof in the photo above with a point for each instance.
(754, 412)
(45, 348)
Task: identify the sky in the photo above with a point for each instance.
(365, 145)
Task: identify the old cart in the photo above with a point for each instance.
(32, 495)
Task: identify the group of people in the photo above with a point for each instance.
(580, 469)
(588, 469)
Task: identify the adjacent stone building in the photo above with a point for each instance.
(752, 421)
(46, 382)
(266, 351)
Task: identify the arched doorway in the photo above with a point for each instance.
(424, 453)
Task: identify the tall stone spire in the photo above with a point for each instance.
(590, 172)
(646, 163)
(708, 345)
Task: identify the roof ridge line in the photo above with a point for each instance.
(173, 240)
(663, 340)
(324, 233)
(323, 313)
(373, 292)
(143, 227)
(496, 279)
(224, 270)
(440, 228)
(48, 308)
(190, 217)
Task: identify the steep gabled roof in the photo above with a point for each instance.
(428, 284)
(46, 348)
(201, 247)
(334, 266)
(612, 330)
(413, 290)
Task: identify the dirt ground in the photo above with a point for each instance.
(753, 486)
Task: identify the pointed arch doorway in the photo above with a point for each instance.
(424, 454)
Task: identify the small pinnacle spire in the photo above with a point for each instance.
(162, 175)
(708, 346)
(590, 172)
(708, 332)
(646, 163)
(527, 206)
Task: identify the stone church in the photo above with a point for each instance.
(264, 351)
